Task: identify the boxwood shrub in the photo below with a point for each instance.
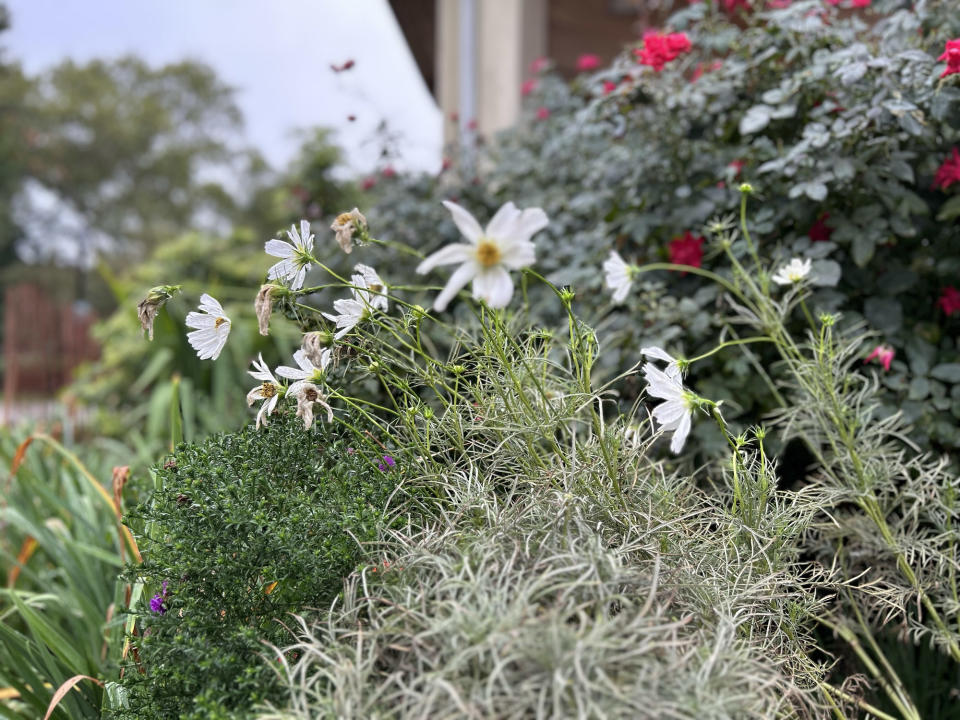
(243, 529)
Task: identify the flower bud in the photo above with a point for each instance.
(148, 308)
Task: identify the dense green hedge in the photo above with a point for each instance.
(243, 529)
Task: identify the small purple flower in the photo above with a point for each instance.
(158, 603)
(388, 462)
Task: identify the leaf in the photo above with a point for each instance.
(849, 74)
(919, 388)
(862, 249)
(755, 119)
(19, 455)
(949, 210)
(948, 372)
(816, 191)
(66, 687)
(26, 550)
(787, 110)
(885, 314)
(902, 171)
(825, 273)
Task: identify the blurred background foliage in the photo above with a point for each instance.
(129, 387)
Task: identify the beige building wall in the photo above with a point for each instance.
(507, 35)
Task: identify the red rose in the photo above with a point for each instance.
(685, 250)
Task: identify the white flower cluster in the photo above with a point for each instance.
(486, 260)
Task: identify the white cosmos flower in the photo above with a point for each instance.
(294, 255)
(377, 297)
(268, 390)
(793, 272)
(307, 372)
(676, 410)
(352, 311)
(619, 276)
(504, 245)
(211, 327)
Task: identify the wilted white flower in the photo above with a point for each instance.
(263, 307)
(352, 311)
(619, 276)
(377, 297)
(211, 328)
(315, 344)
(307, 394)
(675, 413)
(345, 226)
(504, 245)
(306, 372)
(148, 308)
(793, 272)
(269, 390)
(295, 255)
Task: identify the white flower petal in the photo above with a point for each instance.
(518, 255)
(668, 414)
(301, 359)
(254, 395)
(503, 223)
(290, 373)
(460, 277)
(467, 224)
(209, 304)
(494, 286)
(282, 270)
(278, 248)
(532, 221)
(200, 320)
(680, 435)
(455, 253)
(658, 353)
(298, 279)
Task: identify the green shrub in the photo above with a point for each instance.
(243, 529)
(824, 112)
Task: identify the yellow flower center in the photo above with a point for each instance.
(268, 390)
(220, 321)
(488, 252)
(344, 218)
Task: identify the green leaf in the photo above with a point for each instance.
(948, 372)
(862, 249)
(950, 209)
(919, 388)
(755, 119)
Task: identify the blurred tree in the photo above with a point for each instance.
(117, 152)
(129, 387)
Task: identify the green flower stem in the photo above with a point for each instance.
(905, 707)
(401, 247)
(729, 343)
(710, 275)
(830, 690)
(750, 246)
(806, 312)
(761, 371)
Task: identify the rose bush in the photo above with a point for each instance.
(847, 122)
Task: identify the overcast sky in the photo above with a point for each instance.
(277, 53)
